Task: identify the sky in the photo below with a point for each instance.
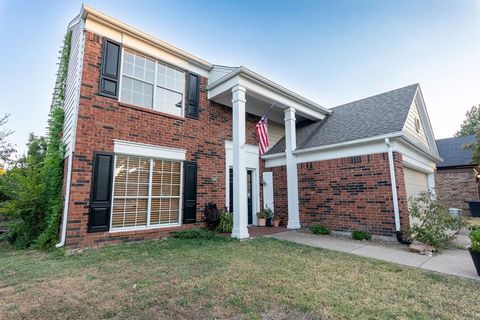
(331, 52)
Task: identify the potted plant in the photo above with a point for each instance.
(261, 218)
(276, 221)
(475, 248)
(269, 216)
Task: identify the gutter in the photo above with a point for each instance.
(394, 186)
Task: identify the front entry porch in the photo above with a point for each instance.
(234, 87)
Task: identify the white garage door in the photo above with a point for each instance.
(415, 182)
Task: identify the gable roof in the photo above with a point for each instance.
(454, 151)
(373, 116)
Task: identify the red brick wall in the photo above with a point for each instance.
(456, 186)
(101, 120)
(345, 194)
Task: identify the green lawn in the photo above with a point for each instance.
(208, 279)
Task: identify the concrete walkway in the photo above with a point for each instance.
(453, 261)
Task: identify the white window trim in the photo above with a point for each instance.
(155, 86)
(153, 152)
(148, 150)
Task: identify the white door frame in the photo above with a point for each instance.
(253, 164)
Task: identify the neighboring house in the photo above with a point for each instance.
(457, 174)
(154, 133)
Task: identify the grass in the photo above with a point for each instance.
(220, 278)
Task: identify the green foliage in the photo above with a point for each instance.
(432, 223)
(361, 235)
(6, 147)
(23, 187)
(475, 238)
(32, 189)
(195, 233)
(268, 213)
(226, 223)
(261, 214)
(319, 229)
(471, 124)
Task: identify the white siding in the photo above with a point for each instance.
(410, 130)
(72, 90)
(276, 131)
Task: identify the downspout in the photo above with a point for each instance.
(63, 234)
(394, 186)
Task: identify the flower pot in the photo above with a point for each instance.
(269, 222)
(476, 260)
(276, 223)
(261, 222)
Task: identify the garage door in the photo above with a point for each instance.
(415, 183)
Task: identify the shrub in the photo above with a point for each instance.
(433, 224)
(475, 238)
(361, 235)
(226, 223)
(268, 213)
(319, 229)
(195, 233)
(261, 214)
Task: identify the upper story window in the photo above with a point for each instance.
(152, 84)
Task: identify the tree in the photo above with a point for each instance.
(471, 124)
(6, 148)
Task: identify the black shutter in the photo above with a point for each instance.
(110, 69)
(190, 194)
(101, 193)
(193, 88)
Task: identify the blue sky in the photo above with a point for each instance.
(332, 52)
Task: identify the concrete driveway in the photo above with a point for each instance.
(452, 261)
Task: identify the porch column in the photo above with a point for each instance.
(240, 211)
(292, 177)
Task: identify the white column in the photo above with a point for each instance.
(240, 211)
(292, 176)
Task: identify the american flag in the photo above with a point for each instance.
(262, 134)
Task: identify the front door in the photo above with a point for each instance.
(249, 193)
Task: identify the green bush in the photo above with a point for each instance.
(226, 223)
(361, 235)
(475, 238)
(432, 223)
(195, 233)
(319, 229)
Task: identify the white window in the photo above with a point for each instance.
(152, 84)
(146, 193)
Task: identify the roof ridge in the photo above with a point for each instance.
(459, 137)
(376, 95)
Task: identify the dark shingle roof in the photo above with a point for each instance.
(369, 117)
(454, 151)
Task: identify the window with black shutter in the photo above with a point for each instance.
(193, 95)
(101, 194)
(110, 69)
(190, 194)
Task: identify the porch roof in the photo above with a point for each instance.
(263, 89)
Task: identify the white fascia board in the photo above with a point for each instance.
(350, 143)
(353, 148)
(89, 13)
(429, 154)
(422, 110)
(148, 150)
(265, 87)
(413, 158)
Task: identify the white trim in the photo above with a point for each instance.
(252, 164)
(148, 150)
(90, 13)
(393, 184)
(258, 84)
(153, 226)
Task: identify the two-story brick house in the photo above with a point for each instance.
(154, 133)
